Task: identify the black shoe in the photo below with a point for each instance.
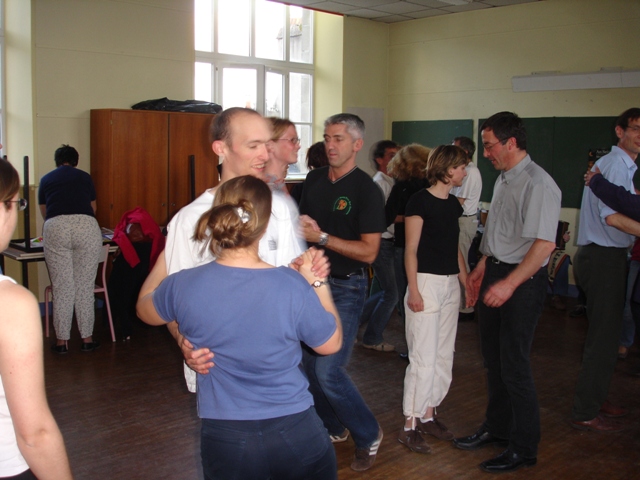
(480, 439)
(89, 346)
(507, 461)
(59, 349)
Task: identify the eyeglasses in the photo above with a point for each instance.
(22, 203)
(294, 141)
(635, 129)
(489, 146)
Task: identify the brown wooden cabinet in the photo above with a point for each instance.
(141, 158)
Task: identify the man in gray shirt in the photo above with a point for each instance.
(511, 282)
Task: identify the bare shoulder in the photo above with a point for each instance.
(20, 309)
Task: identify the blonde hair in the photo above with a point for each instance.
(409, 162)
(239, 216)
(279, 126)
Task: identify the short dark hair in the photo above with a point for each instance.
(9, 182)
(220, 128)
(355, 125)
(505, 125)
(627, 116)
(441, 159)
(379, 149)
(467, 145)
(66, 155)
(317, 156)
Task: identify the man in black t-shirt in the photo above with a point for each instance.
(342, 210)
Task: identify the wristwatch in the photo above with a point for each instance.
(319, 283)
(324, 239)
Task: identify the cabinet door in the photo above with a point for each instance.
(189, 135)
(139, 155)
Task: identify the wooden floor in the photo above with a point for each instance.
(125, 413)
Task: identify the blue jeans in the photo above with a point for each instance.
(379, 306)
(506, 335)
(337, 399)
(290, 447)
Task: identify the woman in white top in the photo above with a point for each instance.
(31, 444)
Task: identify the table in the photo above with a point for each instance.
(25, 258)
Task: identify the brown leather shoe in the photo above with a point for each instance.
(623, 352)
(608, 409)
(598, 424)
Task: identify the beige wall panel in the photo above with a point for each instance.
(162, 28)
(328, 97)
(448, 67)
(365, 63)
(76, 82)
(551, 14)
(55, 131)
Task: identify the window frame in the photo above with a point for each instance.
(218, 61)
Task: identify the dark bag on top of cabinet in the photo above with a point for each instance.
(189, 106)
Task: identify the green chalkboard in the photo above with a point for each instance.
(430, 133)
(561, 146)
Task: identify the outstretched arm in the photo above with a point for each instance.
(21, 367)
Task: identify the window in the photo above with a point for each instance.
(2, 80)
(247, 57)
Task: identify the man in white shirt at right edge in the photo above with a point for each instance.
(469, 196)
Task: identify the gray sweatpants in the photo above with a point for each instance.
(72, 247)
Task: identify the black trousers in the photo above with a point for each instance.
(506, 335)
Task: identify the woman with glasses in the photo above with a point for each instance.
(258, 419)
(283, 151)
(31, 444)
(72, 246)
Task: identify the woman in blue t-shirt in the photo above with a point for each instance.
(72, 246)
(433, 262)
(258, 419)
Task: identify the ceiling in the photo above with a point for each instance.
(392, 11)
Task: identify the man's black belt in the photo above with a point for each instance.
(360, 271)
(495, 261)
(472, 215)
(387, 239)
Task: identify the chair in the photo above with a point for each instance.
(99, 288)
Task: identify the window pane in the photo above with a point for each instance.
(203, 86)
(234, 26)
(301, 35)
(203, 10)
(239, 87)
(304, 132)
(274, 90)
(270, 19)
(300, 97)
